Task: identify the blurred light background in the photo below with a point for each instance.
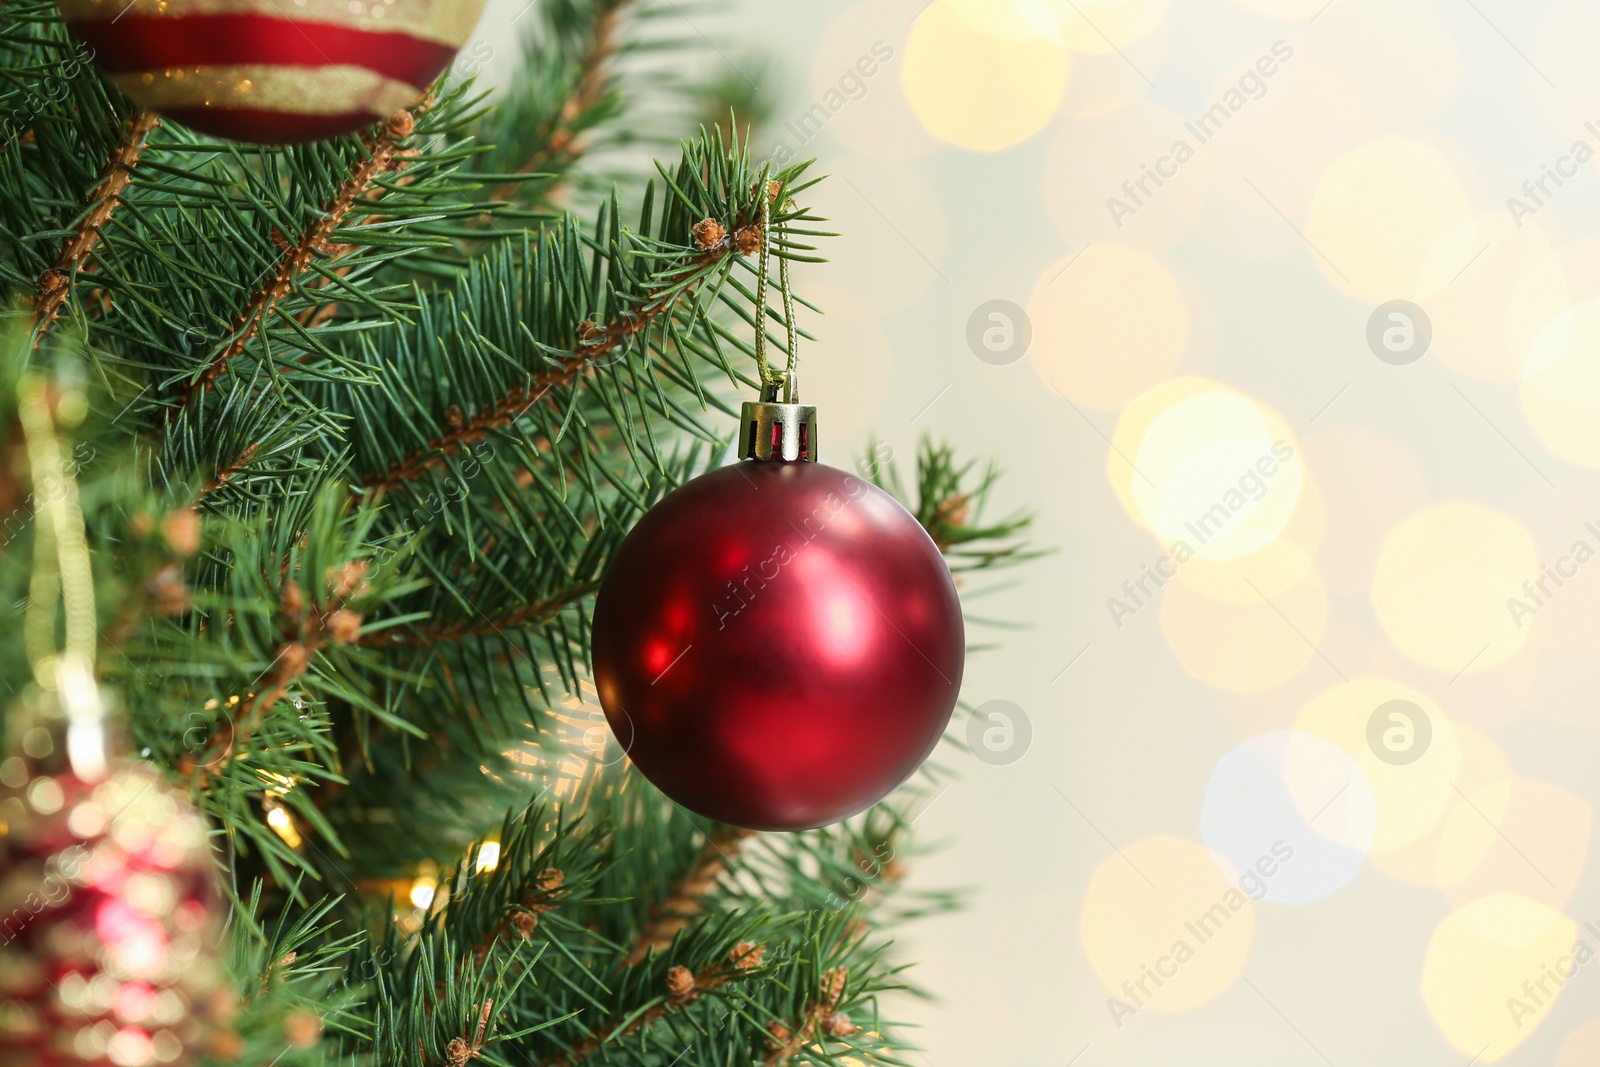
(1284, 317)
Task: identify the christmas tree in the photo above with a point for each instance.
(348, 433)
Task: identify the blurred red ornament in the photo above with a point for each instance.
(269, 72)
(777, 644)
(109, 922)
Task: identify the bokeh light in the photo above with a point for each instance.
(1370, 483)
(1561, 384)
(1283, 9)
(1282, 563)
(1163, 927)
(1442, 583)
(1018, 19)
(1109, 323)
(1103, 178)
(1196, 462)
(1332, 799)
(1494, 970)
(974, 89)
(1567, 523)
(1310, 117)
(854, 79)
(1384, 211)
(1106, 26)
(1487, 312)
(1409, 798)
(1094, 27)
(1251, 818)
(1419, 861)
(1582, 1047)
(1245, 646)
(1516, 836)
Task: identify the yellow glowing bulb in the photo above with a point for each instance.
(422, 893)
(278, 818)
(488, 856)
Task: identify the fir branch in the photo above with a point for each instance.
(383, 155)
(307, 630)
(235, 466)
(320, 315)
(316, 345)
(460, 1051)
(949, 499)
(684, 987)
(821, 1014)
(512, 406)
(689, 896)
(464, 629)
(523, 917)
(55, 286)
(558, 142)
(595, 342)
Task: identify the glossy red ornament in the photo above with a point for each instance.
(778, 645)
(268, 71)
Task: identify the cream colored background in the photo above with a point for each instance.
(1227, 314)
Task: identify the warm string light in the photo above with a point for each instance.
(283, 825)
(278, 816)
(425, 889)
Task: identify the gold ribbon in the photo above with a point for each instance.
(292, 90)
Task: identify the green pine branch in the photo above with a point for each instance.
(358, 427)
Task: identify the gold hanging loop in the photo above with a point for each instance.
(776, 427)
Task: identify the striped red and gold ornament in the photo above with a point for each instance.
(273, 71)
(110, 941)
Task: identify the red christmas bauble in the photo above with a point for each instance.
(778, 645)
(273, 71)
(111, 923)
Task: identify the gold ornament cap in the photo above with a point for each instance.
(769, 430)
